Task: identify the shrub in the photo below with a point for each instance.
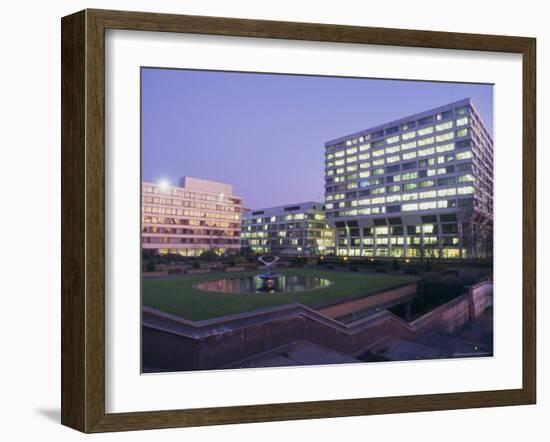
(395, 264)
(208, 255)
(196, 264)
(150, 266)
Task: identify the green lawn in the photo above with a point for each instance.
(178, 297)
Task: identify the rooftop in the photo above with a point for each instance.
(405, 119)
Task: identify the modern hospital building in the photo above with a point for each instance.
(419, 186)
(293, 229)
(192, 218)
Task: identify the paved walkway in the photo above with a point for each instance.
(475, 340)
(299, 353)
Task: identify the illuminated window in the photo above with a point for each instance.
(379, 200)
(378, 191)
(351, 168)
(410, 196)
(392, 140)
(427, 183)
(364, 165)
(426, 141)
(409, 145)
(445, 147)
(430, 194)
(464, 155)
(393, 159)
(339, 154)
(425, 131)
(364, 147)
(425, 152)
(393, 198)
(351, 159)
(392, 149)
(410, 175)
(409, 207)
(408, 135)
(364, 174)
(462, 133)
(462, 121)
(446, 192)
(339, 162)
(379, 162)
(465, 178)
(378, 153)
(409, 186)
(428, 205)
(376, 172)
(444, 126)
(409, 155)
(465, 190)
(351, 151)
(364, 156)
(445, 137)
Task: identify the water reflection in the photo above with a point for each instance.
(253, 284)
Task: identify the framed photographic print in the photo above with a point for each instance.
(270, 220)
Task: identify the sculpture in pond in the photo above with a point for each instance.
(270, 280)
(268, 267)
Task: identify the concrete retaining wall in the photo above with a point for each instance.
(387, 297)
(171, 343)
(480, 298)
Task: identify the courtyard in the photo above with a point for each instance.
(178, 295)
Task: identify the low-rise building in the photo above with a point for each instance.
(195, 217)
(294, 229)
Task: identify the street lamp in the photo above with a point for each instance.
(164, 185)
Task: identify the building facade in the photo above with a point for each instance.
(295, 229)
(195, 217)
(420, 186)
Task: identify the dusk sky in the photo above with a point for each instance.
(265, 134)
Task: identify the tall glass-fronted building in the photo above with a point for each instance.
(294, 229)
(192, 218)
(420, 186)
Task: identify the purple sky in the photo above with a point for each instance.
(264, 133)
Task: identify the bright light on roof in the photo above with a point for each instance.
(164, 185)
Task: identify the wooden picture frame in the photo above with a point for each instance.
(83, 219)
